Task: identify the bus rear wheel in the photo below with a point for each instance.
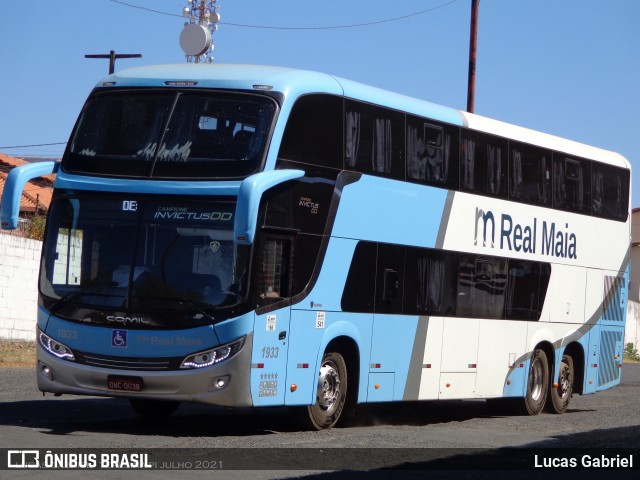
(151, 409)
(331, 393)
(560, 395)
(537, 383)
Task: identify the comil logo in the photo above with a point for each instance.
(23, 459)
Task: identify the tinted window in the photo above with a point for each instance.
(530, 174)
(142, 254)
(432, 153)
(390, 279)
(571, 184)
(314, 131)
(431, 285)
(423, 281)
(301, 205)
(526, 290)
(359, 289)
(374, 140)
(483, 164)
(274, 276)
(482, 286)
(171, 134)
(610, 191)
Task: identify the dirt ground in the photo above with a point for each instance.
(17, 353)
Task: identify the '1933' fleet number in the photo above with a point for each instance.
(270, 352)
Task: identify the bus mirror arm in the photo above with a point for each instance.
(251, 191)
(16, 180)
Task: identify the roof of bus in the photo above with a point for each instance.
(293, 83)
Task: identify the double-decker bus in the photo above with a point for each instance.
(260, 236)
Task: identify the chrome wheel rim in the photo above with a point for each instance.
(328, 387)
(535, 380)
(564, 383)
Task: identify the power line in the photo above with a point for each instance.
(326, 27)
(145, 8)
(34, 145)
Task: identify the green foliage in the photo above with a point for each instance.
(35, 228)
(631, 353)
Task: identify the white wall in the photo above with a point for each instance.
(19, 265)
(632, 332)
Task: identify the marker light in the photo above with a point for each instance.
(213, 356)
(55, 348)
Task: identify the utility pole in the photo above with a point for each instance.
(473, 44)
(113, 56)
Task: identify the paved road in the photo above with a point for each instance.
(609, 420)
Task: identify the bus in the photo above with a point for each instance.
(252, 236)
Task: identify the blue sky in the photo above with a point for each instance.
(570, 68)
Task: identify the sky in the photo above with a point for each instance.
(570, 68)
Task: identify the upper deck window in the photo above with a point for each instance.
(170, 134)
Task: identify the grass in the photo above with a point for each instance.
(17, 353)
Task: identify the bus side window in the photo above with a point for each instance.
(274, 270)
(571, 184)
(374, 140)
(314, 131)
(482, 286)
(359, 289)
(431, 153)
(390, 279)
(431, 282)
(610, 190)
(530, 174)
(483, 164)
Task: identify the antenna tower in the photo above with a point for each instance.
(196, 39)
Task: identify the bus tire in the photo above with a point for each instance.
(537, 383)
(151, 409)
(560, 396)
(331, 393)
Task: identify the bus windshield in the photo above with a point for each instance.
(168, 134)
(142, 254)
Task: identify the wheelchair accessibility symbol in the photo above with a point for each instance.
(119, 338)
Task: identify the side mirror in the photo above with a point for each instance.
(16, 180)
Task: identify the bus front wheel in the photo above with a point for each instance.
(560, 395)
(537, 383)
(331, 392)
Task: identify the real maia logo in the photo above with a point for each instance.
(539, 236)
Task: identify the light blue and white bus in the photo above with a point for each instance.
(255, 236)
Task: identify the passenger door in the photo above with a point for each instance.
(271, 328)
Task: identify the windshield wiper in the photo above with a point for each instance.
(199, 308)
(59, 303)
(62, 300)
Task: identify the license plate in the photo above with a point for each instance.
(128, 384)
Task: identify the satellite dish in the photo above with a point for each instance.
(195, 39)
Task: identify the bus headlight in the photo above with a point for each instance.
(213, 356)
(55, 348)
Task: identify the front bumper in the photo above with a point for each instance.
(194, 385)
